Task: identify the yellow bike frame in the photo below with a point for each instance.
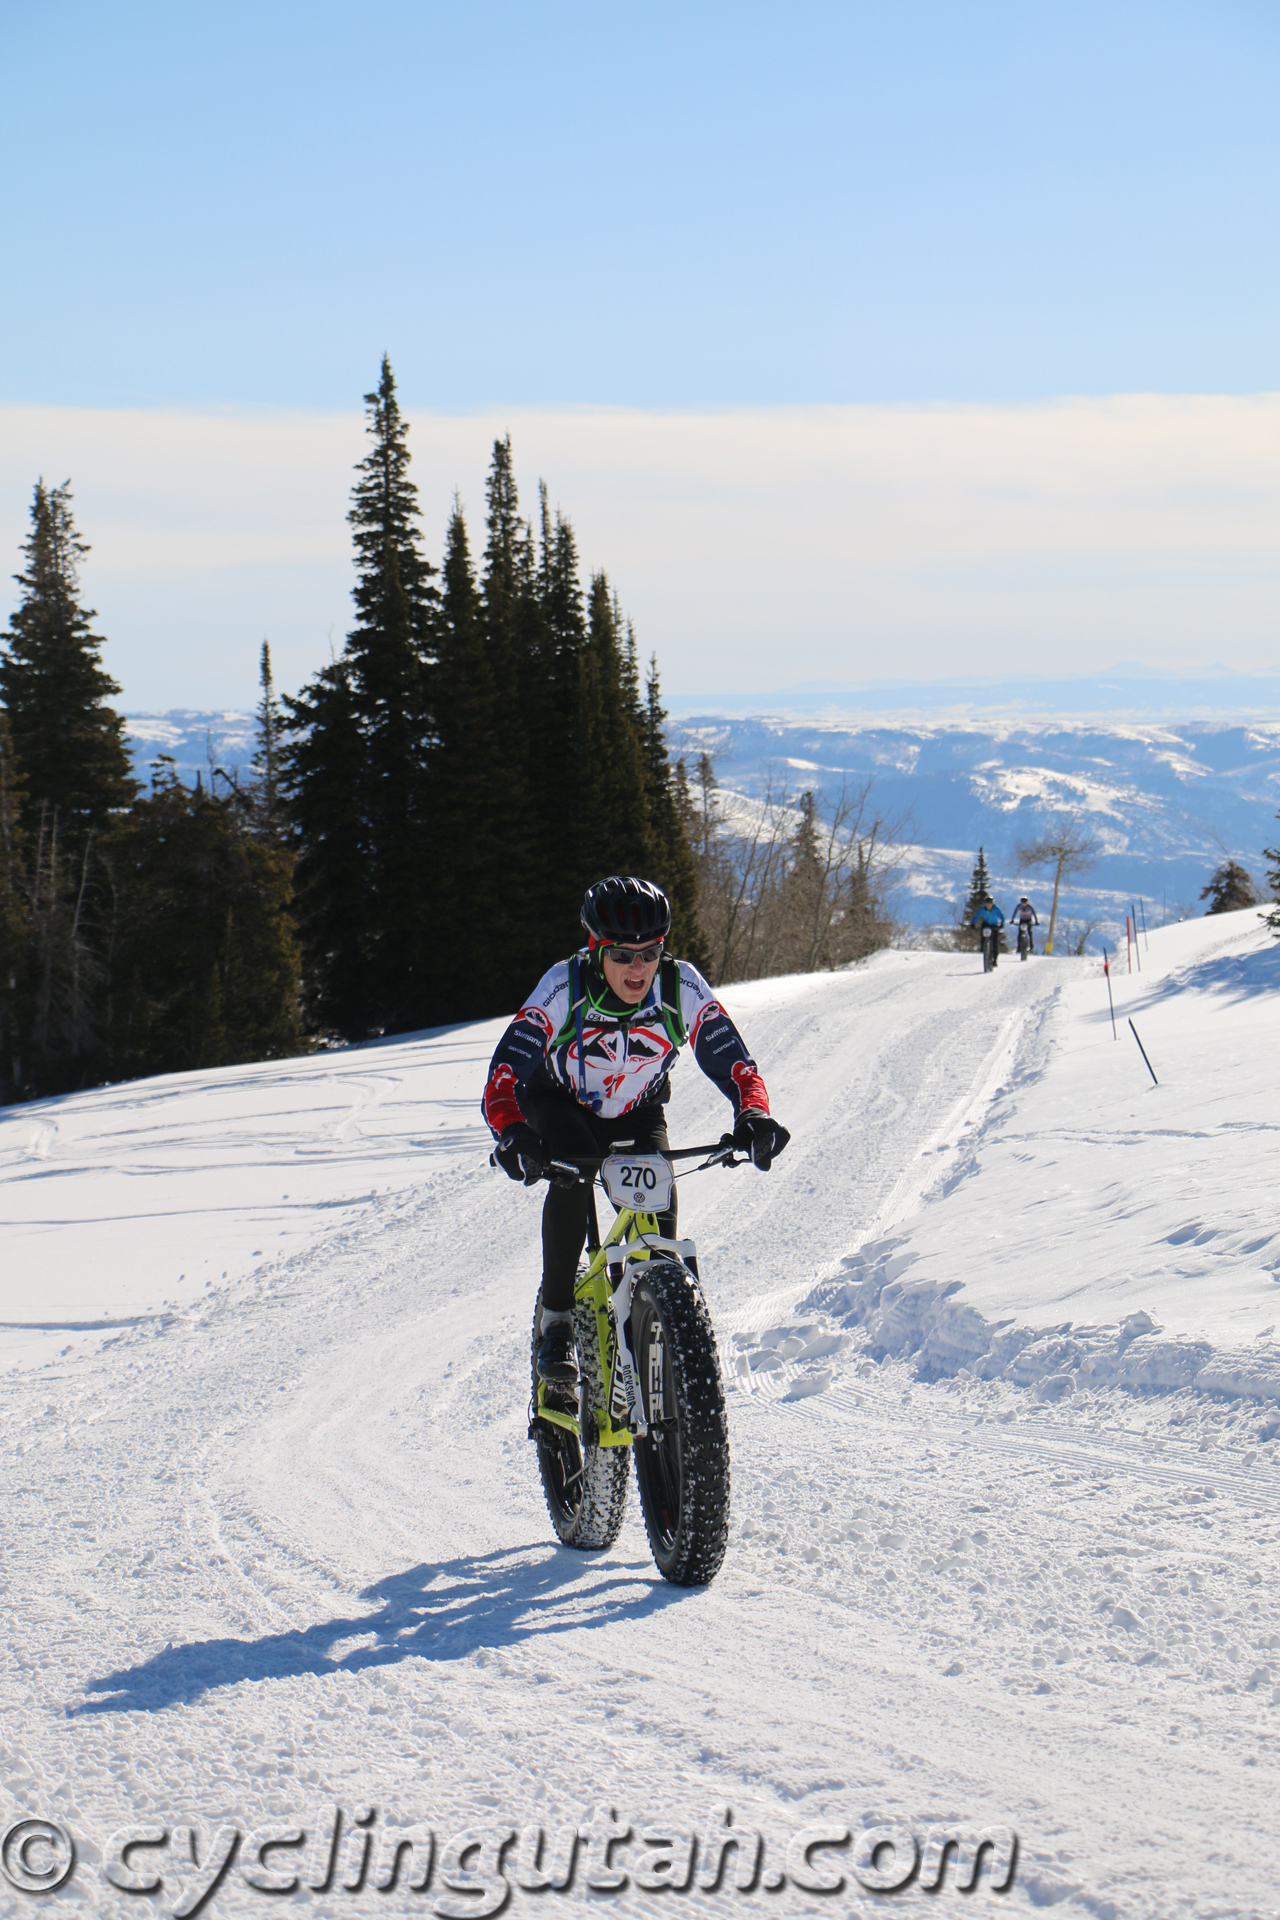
(606, 1284)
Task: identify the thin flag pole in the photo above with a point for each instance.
(1142, 1050)
(1146, 943)
(1137, 949)
(1106, 968)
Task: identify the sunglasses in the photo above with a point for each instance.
(623, 956)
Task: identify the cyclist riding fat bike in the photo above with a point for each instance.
(586, 1064)
(989, 920)
(1025, 915)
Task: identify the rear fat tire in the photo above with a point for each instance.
(586, 1502)
(683, 1476)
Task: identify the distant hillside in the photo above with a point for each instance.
(1167, 801)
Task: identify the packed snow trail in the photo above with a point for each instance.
(284, 1548)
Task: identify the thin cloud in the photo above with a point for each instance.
(750, 546)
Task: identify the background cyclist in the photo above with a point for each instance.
(1025, 915)
(989, 920)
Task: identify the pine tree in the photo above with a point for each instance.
(14, 921)
(1273, 881)
(205, 964)
(356, 772)
(268, 798)
(565, 767)
(471, 963)
(503, 557)
(979, 886)
(388, 657)
(64, 961)
(517, 651)
(613, 805)
(323, 769)
(68, 741)
(1230, 888)
(670, 859)
(803, 893)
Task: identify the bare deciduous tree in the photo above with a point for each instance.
(787, 885)
(1070, 849)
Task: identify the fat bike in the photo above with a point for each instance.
(649, 1383)
(1024, 941)
(990, 948)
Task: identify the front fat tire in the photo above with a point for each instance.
(586, 1503)
(684, 1475)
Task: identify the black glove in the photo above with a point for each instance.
(760, 1138)
(521, 1154)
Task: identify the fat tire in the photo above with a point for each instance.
(683, 1476)
(586, 1502)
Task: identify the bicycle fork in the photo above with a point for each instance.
(630, 1405)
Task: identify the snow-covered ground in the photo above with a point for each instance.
(998, 1331)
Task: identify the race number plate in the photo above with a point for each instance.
(639, 1180)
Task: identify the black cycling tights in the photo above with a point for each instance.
(567, 1128)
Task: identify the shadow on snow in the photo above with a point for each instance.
(442, 1612)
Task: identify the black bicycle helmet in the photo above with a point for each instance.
(624, 908)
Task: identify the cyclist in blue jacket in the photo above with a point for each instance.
(988, 920)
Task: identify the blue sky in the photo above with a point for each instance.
(661, 207)
(824, 323)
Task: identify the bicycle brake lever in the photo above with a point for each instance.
(560, 1173)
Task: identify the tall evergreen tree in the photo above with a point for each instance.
(566, 769)
(471, 963)
(14, 921)
(621, 840)
(1230, 888)
(68, 741)
(324, 776)
(1273, 881)
(518, 651)
(357, 774)
(670, 856)
(205, 962)
(388, 657)
(979, 886)
(268, 799)
(504, 556)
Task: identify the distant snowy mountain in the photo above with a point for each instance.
(193, 739)
(1166, 800)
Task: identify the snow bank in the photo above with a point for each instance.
(1089, 1186)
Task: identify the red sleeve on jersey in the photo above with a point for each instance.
(719, 1050)
(751, 1089)
(500, 1105)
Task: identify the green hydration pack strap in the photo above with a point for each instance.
(580, 994)
(575, 1002)
(673, 1018)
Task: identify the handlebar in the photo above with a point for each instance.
(573, 1169)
